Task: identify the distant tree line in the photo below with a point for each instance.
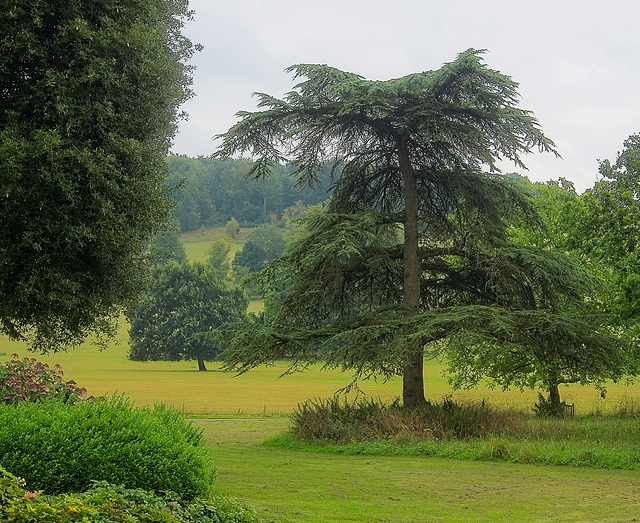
(212, 192)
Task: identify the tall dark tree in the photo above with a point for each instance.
(493, 308)
(185, 300)
(89, 98)
(413, 150)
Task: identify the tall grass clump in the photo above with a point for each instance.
(61, 447)
(468, 431)
(340, 421)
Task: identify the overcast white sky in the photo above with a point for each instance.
(577, 61)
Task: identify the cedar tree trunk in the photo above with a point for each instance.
(413, 372)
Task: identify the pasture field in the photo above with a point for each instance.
(262, 391)
(196, 243)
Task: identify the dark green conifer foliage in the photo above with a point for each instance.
(413, 253)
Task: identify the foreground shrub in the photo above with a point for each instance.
(28, 379)
(340, 421)
(106, 503)
(58, 447)
(10, 486)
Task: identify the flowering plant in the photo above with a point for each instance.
(28, 379)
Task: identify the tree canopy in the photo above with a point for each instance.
(607, 231)
(89, 103)
(166, 246)
(420, 153)
(185, 300)
(263, 244)
(600, 228)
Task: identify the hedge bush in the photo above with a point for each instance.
(106, 503)
(59, 447)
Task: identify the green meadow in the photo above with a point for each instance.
(264, 391)
(196, 243)
(239, 413)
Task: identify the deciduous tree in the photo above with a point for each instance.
(167, 246)
(581, 340)
(232, 228)
(263, 244)
(185, 300)
(89, 98)
(607, 231)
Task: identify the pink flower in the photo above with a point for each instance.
(32, 494)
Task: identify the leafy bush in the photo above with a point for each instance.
(368, 420)
(28, 379)
(10, 486)
(59, 447)
(106, 503)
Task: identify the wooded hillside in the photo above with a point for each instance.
(210, 192)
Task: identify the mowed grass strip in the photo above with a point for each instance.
(301, 487)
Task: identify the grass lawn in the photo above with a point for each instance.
(262, 391)
(297, 486)
(291, 486)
